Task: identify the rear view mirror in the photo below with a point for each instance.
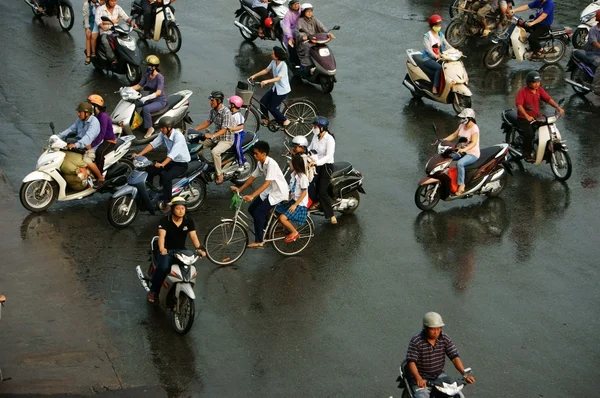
(302, 30)
(106, 19)
(52, 127)
(336, 27)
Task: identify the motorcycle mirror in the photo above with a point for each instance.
(106, 19)
(336, 27)
(52, 127)
(302, 30)
(561, 101)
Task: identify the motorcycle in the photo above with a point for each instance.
(249, 21)
(487, 176)
(126, 121)
(165, 25)
(453, 80)
(127, 53)
(582, 74)
(587, 20)
(140, 194)
(443, 387)
(63, 11)
(514, 44)
(41, 188)
(230, 168)
(467, 23)
(548, 144)
(324, 66)
(177, 292)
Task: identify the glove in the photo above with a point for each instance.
(147, 98)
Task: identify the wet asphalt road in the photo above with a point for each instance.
(515, 277)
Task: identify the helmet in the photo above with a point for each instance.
(85, 107)
(533, 77)
(166, 121)
(96, 100)
(321, 121)
(467, 112)
(218, 95)
(597, 15)
(152, 60)
(306, 6)
(236, 101)
(269, 22)
(177, 200)
(434, 20)
(300, 140)
(432, 320)
(292, 2)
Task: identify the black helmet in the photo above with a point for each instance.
(533, 77)
(166, 121)
(218, 95)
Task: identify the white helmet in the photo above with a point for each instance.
(306, 6)
(432, 320)
(300, 140)
(467, 113)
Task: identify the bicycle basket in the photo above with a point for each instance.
(236, 202)
(245, 95)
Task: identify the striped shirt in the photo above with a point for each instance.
(222, 119)
(430, 359)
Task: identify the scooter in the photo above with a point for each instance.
(63, 11)
(140, 194)
(548, 144)
(177, 292)
(126, 121)
(324, 66)
(231, 171)
(249, 21)
(487, 176)
(514, 44)
(453, 80)
(587, 20)
(440, 388)
(582, 74)
(41, 188)
(165, 25)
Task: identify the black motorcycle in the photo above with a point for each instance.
(63, 10)
(583, 74)
(127, 53)
(249, 21)
(164, 23)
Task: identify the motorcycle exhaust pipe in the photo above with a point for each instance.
(574, 83)
(408, 85)
(244, 28)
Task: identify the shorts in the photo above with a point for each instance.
(503, 5)
(95, 29)
(89, 156)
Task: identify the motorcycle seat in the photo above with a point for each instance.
(486, 154)
(247, 3)
(555, 30)
(418, 58)
(192, 166)
(172, 100)
(510, 116)
(340, 168)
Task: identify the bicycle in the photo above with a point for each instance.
(300, 113)
(226, 242)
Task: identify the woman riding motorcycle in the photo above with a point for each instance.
(154, 82)
(435, 44)
(322, 150)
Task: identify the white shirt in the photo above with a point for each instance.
(325, 148)
(282, 87)
(114, 16)
(277, 191)
(238, 119)
(299, 183)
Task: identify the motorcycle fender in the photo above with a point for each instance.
(543, 138)
(185, 288)
(37, 175)
(583, 26)
(462, 89)
(126, 190)
(361, 190)
(428, 180)
(158, 23)
(498, 174)
(188, 119)
(130, 57)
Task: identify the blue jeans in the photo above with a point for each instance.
(163, 266)
(423, 392)
(436, 68)
(270, 103)
(238, 138)
(461, 164)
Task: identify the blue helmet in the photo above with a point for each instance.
(321, 121)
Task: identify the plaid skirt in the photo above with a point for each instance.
(298, 217)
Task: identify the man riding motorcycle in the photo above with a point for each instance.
(591, 53)
(115, 13)
(307, 25)
(541, 23)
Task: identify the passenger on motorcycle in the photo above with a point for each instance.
(296, 208)
(322, 151)
(105, 142)
(591, 54)
(235, 104)
(435, 44)
(299, 145)
(528, 108)
(154, 82)
(288, 25)
(91, 29)
(148, 14)
(468, 145)
(426, 355)
(222, 139)
(307, 25)
(173, 231)
(540, 26)
(115, 13)
(176, 162)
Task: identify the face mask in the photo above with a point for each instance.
(149, 69)
(464, 120)
(316, 131)
(436, 29)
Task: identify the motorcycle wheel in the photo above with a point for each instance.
(249, 167)
(33, 200)
(503, 182)
(494, 56)
(327, 84)
(561, 49)
(183, 319)
(455, 33)
(352, 195)
(422, 196)
(301, 114)
(580, 38)
(509, 138)
(197, 196)
(226, 243)
(251, 122)
(453, 9)
(561, 161)
(460, 102)
(405, 394)
(173, 38)
(579, 76)
(129, 164)
(133, 74)
(68, 17)
(251, 24)
(279, 232)
(117, 216)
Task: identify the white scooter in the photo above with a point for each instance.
(587, 20)
(46, 184)
(126, 122)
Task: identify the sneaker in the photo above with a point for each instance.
(241, 168)
(312, 70)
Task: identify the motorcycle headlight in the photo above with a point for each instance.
(185, 259)
(551, 119)
(587, 17)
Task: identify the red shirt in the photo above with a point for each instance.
(531, 101)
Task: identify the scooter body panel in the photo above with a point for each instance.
(519, 48)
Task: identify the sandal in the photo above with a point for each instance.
(87, 60)
(151, 297)
(256, 245)
(93, 55)
(315, 206)
(290, 239)
(264, 122)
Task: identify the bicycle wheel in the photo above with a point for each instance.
(300, 114)
(279, 232)
(251, 119)
(226, 243)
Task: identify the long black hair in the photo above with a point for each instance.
(298, 164)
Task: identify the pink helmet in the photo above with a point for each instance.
(236, 101)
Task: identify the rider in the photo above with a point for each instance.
(528, 107)
(307, 25)
(435, 44)
(426, 355)
(176, 162)
(115, 13)
(154, 82)
(541, 23)
(288, 25)
(261, 7)
(91, 29)
(591, 54)
(299, 145)
(106, 139)
(485, 8)
(322, 150)
(172, 233)
(235, 104)
(221, 116)
(148, 14)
